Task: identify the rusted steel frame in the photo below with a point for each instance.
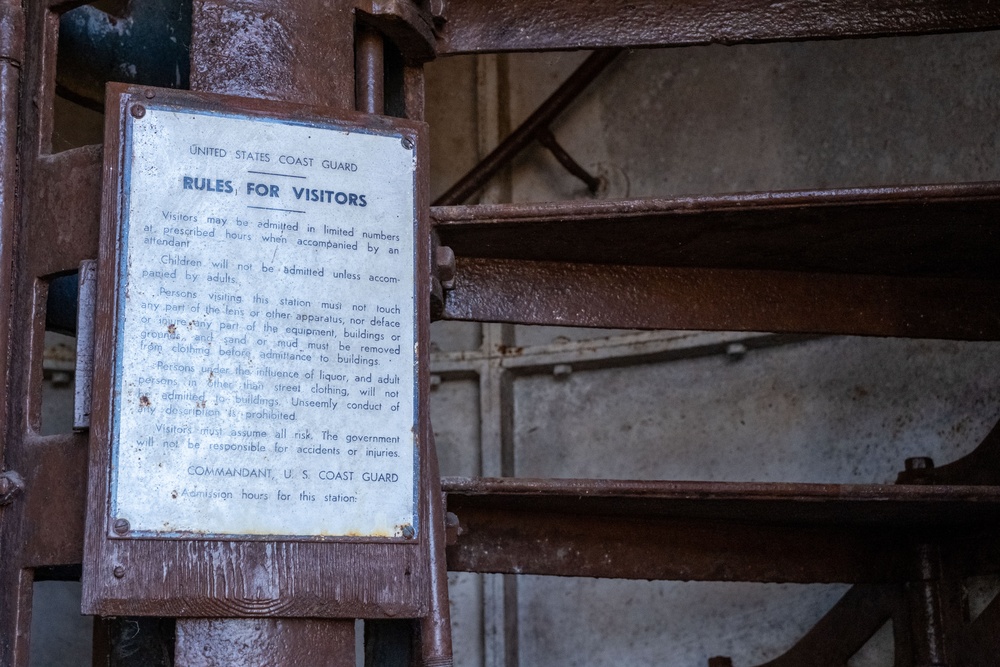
(713, 531)
(594, 295)
(848, 625)
(29, 534)
(534, 25)
(369, 70)
(11, 54)
(15, 581)
(901, 230)
(530, 129)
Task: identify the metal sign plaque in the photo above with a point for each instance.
(259, 420)
(265, 376)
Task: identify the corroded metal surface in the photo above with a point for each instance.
(922, 230)
(525, 25)
(713, 531)
(264, 642)
(301, 51)
(641, 297)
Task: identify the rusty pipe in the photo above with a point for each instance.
(536, 124)
(435, 628)
(369, 67)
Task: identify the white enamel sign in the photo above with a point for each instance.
(265, 379)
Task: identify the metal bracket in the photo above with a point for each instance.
(11, 484)
(86, 310)
(408, 27)
(442, 275)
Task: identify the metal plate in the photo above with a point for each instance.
(265, 375)
(162, 377)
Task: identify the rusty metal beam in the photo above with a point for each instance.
(914, 261)
(534, 25)
(595, 295)
(941, 230)
(714, 531)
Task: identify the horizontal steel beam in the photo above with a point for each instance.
(716, 531)
(925, 230)
(912, 261)
(533, 25)
(596, 295)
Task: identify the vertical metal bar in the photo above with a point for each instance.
(15, 582)
(435, 628)
(300, 51)
(413, 92)
(927, 610)
(370, 71)
(12, 38)
(84, 375)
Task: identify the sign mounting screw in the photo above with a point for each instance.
(407, 143)
(119, 571)
(121, 526)
(138, 111)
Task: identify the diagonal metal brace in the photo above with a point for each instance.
(11, 485)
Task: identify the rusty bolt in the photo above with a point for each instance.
(437, 9)
(736, 351)
(444, 264)
(562, 371)
(919, 463)
(408, 531)
(452, 528)
(119, 571)
(122, 526)
(407, 143)
(138, 111)
(150, 93)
